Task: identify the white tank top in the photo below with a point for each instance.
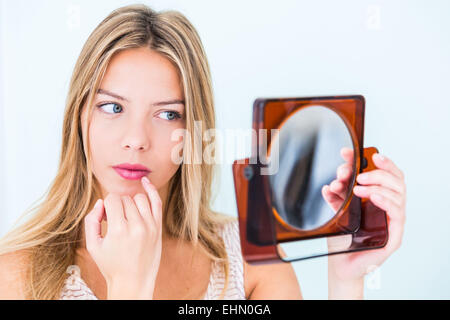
(76, 289)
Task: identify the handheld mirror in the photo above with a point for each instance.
(300, 146)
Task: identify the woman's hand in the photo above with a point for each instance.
(386, 189)
(130, 253)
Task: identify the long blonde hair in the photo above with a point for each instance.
(53, 232)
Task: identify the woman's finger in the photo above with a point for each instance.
(143, 205)
(383, 178)
(115, 213)
(366, 191)
(92, 226)
(131, 211)
(155, 201)
(387, 164)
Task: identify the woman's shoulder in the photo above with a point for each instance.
(13, 274)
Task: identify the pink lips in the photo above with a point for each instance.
(131, 171)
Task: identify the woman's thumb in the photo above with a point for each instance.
(92, 226)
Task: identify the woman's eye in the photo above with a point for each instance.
(171, 115)
(111, 107)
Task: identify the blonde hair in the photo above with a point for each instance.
(52, 234)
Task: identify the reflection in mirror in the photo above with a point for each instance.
(314, 149)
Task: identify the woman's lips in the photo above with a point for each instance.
(131, 174)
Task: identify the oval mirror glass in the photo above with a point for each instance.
(307, 153)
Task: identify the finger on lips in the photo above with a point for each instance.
(155, 201)
(122, 209)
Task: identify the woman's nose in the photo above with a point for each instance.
(136, 137)
(135, 146)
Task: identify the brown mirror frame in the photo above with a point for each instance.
(260, 230)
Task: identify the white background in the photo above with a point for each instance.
(395, 53)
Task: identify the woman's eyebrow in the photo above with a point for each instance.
(156, 104)
(111, 94)
(163, 103)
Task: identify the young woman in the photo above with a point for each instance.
(123, 217)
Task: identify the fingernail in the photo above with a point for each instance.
(145, 179)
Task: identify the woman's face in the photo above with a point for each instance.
(139, 104)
